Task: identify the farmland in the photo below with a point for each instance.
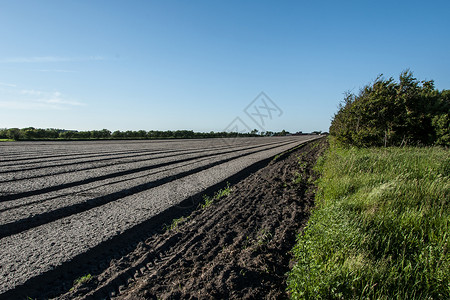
(61, 202)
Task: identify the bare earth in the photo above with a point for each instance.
(68, 209)
(238, 248)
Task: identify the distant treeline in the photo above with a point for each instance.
(32, 133)
(390, 113)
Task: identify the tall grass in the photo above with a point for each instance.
(380, 229)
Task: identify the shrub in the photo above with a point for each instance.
(393, 113)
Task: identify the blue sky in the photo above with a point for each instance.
(167, 65)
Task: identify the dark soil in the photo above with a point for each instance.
(237, 248)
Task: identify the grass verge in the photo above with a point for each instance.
(380, 229)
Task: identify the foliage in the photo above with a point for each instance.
(32, 133)
(381, 227)
(394, 113)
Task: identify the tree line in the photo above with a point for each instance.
(31, 133)
(391, 113)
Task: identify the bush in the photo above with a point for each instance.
(394, 113)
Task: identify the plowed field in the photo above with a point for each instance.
(68, 205)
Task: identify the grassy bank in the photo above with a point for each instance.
(380, 229)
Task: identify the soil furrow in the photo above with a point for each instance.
(31, 175)
(110, 157)
(52, 186)
(92, 148)
(65, 247)
(73, 161)
(50, 216)
(35, 159)
(230, 255)
(40, 154)
(94, 164)
(59, 198)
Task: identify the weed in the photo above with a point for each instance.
(175, 223)
(300, 156)
(303, 164)
(207, 200)
(247, 243)
(276, 157)
(81, 280)
(223, 192)
(263, 237)
(298, 178)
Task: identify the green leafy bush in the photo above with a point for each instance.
(388, 113)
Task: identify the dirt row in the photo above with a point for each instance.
(237, 248)
(37, 152)
(100, 163)
(53, 226)
(59, 195)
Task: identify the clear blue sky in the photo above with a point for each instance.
(196, 65)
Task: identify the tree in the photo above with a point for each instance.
(14, 134)
(393, 113)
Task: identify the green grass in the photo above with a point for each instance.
(380, 229)
(6, 140)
